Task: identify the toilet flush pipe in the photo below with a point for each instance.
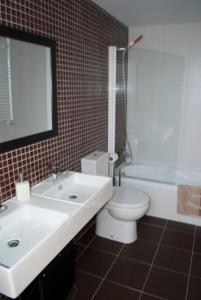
(113, 157)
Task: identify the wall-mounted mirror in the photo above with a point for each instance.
(27, 89)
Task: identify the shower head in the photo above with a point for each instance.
(131, 43)
(134, 41)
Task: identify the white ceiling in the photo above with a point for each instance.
(153, 12)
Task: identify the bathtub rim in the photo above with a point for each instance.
(163, 202)
(180, 170)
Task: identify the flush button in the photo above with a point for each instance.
(74, 196)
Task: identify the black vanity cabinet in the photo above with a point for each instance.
(55, 281)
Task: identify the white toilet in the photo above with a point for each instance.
(117, 220)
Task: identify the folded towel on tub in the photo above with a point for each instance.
(189, 200)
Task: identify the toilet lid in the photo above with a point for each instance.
(128, 197)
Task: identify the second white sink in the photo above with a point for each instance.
(73, 187)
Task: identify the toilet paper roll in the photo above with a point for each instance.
(113, 157)
(22, 191)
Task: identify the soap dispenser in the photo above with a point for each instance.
(22, 188)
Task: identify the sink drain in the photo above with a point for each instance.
(74, 196)
(13, 243)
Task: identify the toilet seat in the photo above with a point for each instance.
(128, 198)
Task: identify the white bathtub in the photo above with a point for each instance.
(160, 184)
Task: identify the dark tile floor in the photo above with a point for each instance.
(164, 263)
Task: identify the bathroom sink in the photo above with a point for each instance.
(23, 228)
(32, 234)
(76, 188)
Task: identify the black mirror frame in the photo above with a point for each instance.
(35, 39)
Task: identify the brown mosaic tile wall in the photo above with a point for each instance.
(83, 33)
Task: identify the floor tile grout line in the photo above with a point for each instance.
(103, 279)
(104, 251)
(115, 254)
(169, 228)
(156, 266)
(134, 289)
(191, 262)
(175, 248)
(170, 270)
(137, 260)
(75, 286)
(148, 264)
(196, 277)
(155, 225)
(86, 247)
(144, 240)
(88, 273)
(94, 248)
(134, 260)
(167, 246)
(155, 296)
(197, 253)
(100, 250)
(159, 243)
(123, 285)
(179, 230)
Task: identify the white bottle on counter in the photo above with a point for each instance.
(22, 188)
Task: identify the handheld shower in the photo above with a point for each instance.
(131, 43)
(134, 41)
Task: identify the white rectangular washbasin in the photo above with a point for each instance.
(23, 229)
(32, 234)
(76, 188)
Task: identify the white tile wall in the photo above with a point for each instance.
(163, 117)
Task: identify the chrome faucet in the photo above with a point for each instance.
(53, 170)
(3, 207)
